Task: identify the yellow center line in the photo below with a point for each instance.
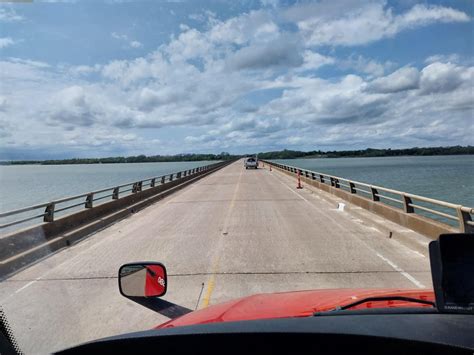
(215, 264)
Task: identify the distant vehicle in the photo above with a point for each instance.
(251, 163)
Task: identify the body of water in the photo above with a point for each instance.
(24, 185)
(447, 178)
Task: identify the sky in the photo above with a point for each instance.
(95, 79)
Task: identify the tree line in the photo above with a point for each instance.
(369, 152)
(281, 154)
(131, 159)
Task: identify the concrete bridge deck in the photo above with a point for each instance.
(237, 231)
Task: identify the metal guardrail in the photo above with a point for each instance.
(88, 199)
(407, 202)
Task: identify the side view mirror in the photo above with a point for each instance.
(142, 279)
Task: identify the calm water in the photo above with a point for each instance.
(447, 178)
(25, 185)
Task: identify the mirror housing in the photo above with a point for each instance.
(142, 279)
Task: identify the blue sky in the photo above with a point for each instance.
(90, 78)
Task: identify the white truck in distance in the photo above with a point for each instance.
(250, 163)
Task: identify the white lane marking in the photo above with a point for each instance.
(401, 271)
(389, 262)
(28, 284)
(417, 253)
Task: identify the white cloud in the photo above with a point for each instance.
(444, 77)
(32, 63)
(365, 65)
(125, 38)
(9, 15)
(363, 21)
(197, 17)
(313, 60)
(444, 58)
(81, 70)
(406, 78)
(240, 30)
(6, 42)
(136, 44)
(422, 15)
(283, 52)
(119, 36)
(72, 106)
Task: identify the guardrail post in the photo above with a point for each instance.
(332, 181)
(321, 178)
(464, 217)
(406, 204)
(49, 216)
(115, 194)
(352, 187)
(171, 177)
(336, 183)
(185, 173)
(375, 193)
(163, 179)
(306, 174)
(137, 187)
(152, 182)
(89, 200)
(313, 176)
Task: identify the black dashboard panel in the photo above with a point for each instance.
(371, 333)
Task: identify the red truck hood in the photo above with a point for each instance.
(294, 304)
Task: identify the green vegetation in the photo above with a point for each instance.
(282, 154)
(369, 152)
(132, 159)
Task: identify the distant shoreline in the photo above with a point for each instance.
(282, 154)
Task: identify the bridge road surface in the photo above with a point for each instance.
(237, 231)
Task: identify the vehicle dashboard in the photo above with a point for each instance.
(424, 333)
